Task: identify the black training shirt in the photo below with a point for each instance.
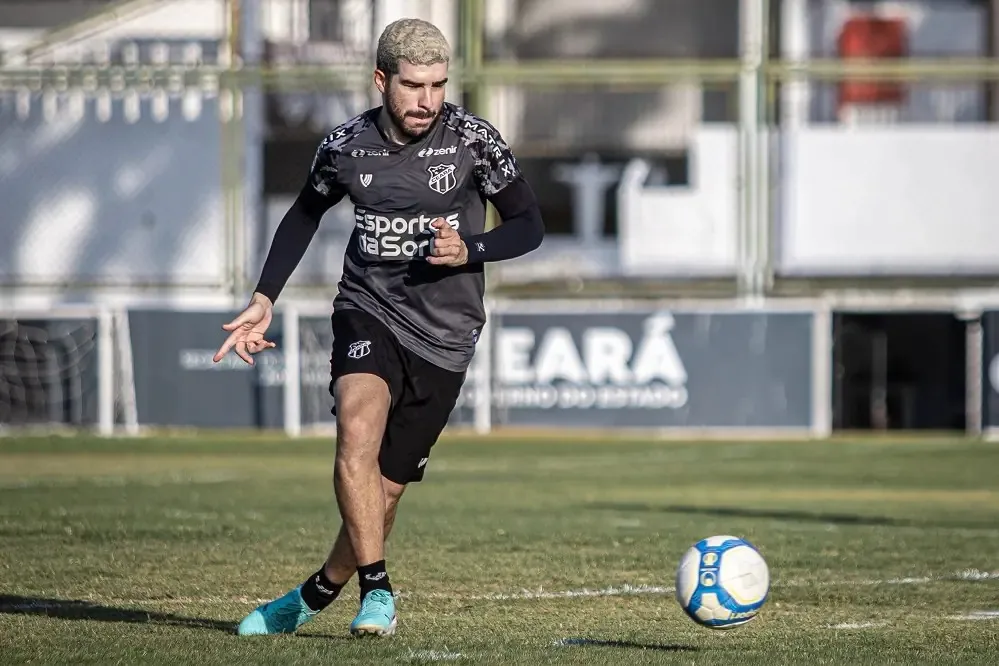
(397, 190)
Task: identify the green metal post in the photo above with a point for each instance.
(474, 83)
(765, 268)
(229, 89)
(472, 36)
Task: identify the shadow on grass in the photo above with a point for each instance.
(596, 642)
(781, 514)
(71, 609)
(74, 609)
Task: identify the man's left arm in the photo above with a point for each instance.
(499, 179)
(521, 229)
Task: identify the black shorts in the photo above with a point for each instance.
(423, 394)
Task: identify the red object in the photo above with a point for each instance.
(872, 37)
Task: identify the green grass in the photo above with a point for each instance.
(150, 551)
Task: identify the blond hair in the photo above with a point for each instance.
(413, 40)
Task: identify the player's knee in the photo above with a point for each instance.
(356, 445)
(358, 431)
(358, 442)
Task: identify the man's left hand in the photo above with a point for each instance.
(448, 249)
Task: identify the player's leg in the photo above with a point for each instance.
(363, 403)
(416, 422)
(341, 564)
(364, 377)
(362, 407)
(358, 483)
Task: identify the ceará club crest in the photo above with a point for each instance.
(442, 178)
(359, 349)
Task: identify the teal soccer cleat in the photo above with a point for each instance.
(282, 616)
(377, 615)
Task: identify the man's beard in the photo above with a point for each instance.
(398, 119)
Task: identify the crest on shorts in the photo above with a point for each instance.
(365, 179)
(442, 178)
(359, 349)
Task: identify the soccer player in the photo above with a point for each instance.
(409, 307)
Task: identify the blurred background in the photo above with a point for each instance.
(763, 216)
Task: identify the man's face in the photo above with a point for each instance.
(414, 96)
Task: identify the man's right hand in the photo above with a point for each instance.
(248, 329)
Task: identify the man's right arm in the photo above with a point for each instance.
(293, 236)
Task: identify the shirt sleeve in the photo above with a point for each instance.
(495, 165)
(323, 174)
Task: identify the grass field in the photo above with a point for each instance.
(516, 552)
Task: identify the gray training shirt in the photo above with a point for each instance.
(397, 190)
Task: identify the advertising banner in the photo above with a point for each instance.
(651, 369)
(658, 369)
(178, 384)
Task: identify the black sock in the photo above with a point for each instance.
(373, 577)
(318, 591)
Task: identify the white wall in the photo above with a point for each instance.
(902, 200)
(684, 230)
(120, 201)
(909, 199)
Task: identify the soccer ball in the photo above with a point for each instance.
(722, 582)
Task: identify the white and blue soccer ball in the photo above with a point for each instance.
(722, 582)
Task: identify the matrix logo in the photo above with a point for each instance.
(605, 369)
(397, 237)
(494, 147)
